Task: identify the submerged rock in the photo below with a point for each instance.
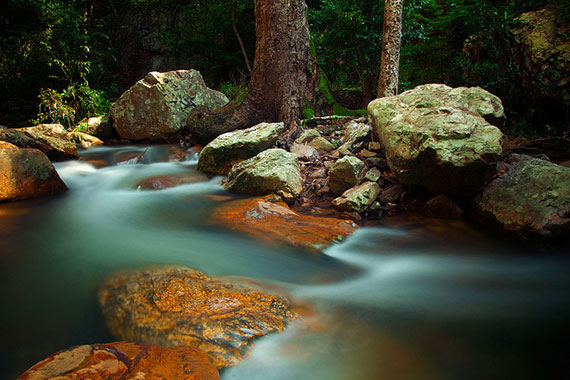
(224, 151)
(172, 306)
(271, 171)
(26, 173)
(442, 207)
(345, 173)
(270, 220)
(531, 200)
(170, 180)
(122, 360)
(51, 139)
(158, 105)
(358, 199)
(439, 137)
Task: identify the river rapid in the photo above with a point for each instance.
(401, 299)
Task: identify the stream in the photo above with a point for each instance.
(405, 298)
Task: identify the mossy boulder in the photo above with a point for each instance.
(224, 151)
(158, 105)
(271, 171)
(26, 173)
(441, 138)
(174, 306)
(531, 200)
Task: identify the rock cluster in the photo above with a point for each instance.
(52, 139)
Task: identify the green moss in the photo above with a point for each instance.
(308, 112)
(324, 88)
(339, 110)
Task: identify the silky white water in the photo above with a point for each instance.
(398, 300)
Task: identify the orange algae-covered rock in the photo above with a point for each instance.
(271, 220)
(123, 360)
(173, 306)
(26, 173)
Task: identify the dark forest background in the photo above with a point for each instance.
(63, 60)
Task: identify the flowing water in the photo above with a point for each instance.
(403, 299)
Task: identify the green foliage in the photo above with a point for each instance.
(233, 91)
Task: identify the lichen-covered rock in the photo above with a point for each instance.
(224, 151)
(439, 137)
(172, 306)
(270, 220)
(356, 135)
(322, 144)
(51, 139)
(542, 51)
(158, 105)
(531, 200)
(26, 173)
(345, 173)
(358, 198)
(271, 171)
(373, 175)
(122, 360)
(307, 135)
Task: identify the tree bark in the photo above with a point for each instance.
(284, 75)
(391, 40)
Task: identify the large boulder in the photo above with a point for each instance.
(122, 360)
(172, 306)
(440, 137)
(52, 139)
(157, 105)
(345, 173)
(542, 52)
(271, 171)
(270, 220)
(26, 173)
(531, 200)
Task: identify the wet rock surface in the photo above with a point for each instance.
(26, 173)
(172, 306)
(269, 219)
(122, 360)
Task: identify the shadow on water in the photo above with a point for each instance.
(407, 300)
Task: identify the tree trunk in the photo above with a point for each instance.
(391, 40)
(284, 74)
